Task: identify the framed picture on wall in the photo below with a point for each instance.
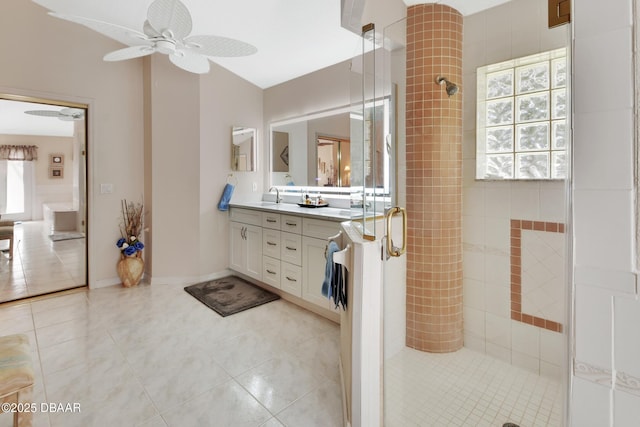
(56, 172)
(56, 159)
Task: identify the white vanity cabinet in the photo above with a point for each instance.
(282, 252)
(290, 249)
(314, 243)
(246, 243)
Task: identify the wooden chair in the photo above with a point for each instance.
(6, 233)
(16, 376)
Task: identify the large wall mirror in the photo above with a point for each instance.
(319, 150)
(42, 196)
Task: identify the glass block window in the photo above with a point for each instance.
(522, 118)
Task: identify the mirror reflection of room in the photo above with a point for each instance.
(243, 148)
(334, 161)
(42, 198)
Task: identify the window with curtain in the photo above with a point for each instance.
(19, 152)
(16, 179)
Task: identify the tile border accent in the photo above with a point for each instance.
(628, 383)
(517, 225)
(598, 375)
(592, 373)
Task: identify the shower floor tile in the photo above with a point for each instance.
(466, 388)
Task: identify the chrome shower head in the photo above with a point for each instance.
(451, 88)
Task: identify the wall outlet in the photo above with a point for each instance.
(255, 187)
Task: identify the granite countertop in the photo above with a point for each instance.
(330, 213)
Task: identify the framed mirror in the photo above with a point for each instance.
(243, 148)
(43, 196)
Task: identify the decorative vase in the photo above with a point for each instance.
(130, 269)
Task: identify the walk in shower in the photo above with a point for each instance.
(484, 342)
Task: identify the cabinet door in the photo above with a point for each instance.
(237, 261)
(314, 263)
(253, 251)
(291, 278)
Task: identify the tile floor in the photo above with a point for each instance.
(39, 265)
(155, 356)
(467, 388)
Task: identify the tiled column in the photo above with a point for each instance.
(434, 179)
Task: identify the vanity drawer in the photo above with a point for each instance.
(271, 242)
(291, 279)
(291, 248)
(271, 271)
(271, 220)
(246, 216)
(320, 229)
(291, 224)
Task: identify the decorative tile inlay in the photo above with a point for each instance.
(534, 274)
(592, 373)
(596, 374)
(543, 274)
(628, 383)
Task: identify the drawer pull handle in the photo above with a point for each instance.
(271, 244)
(292, 224)
(271, 220)
(291, 279)
(291, 249)
(271, 272)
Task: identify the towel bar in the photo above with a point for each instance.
(340, 257)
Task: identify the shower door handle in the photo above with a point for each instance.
(391, 249)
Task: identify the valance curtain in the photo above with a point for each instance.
(19, 152)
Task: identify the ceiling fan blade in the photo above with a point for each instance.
(190, 61)
(219, 46)
(71, 114)
(118, 32)
(170, 16)
(149, 30)
(44, 113)
(129, 53)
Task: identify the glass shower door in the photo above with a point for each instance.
(377, 124)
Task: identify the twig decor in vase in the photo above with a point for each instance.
(130, 267)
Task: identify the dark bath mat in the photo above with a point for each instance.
(230, 295)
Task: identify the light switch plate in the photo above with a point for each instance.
(106, 188)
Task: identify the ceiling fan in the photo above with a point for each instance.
(66, 114)
(166, 31)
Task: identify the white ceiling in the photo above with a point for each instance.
(293, 37)
(466, 7)
(13, 120)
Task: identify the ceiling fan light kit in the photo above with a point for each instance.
(166, 31)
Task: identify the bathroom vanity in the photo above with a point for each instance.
(282, 246)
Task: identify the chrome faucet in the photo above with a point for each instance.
(278, 199)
